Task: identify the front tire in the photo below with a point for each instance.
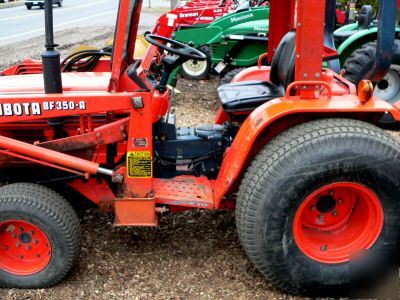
(335, 161)
(197, 70)
(60, 3)
(39, 236)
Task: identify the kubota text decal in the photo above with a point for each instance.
(37, 108)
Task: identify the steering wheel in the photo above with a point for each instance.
(180, 49)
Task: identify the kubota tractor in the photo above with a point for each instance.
(316, 180)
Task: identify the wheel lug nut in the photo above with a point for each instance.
(6, 247)
(324, 248)
(14, 236)
(312, 207)
(35, 241)
(331, 193)
(32, 232)
(340, 201)
(21, 257)
(21, 228)
(334, 213)
(28, 247)
(37, 255)
(18, 245)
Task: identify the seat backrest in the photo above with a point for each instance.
(283, 63)
(365, 17)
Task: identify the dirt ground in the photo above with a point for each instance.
(194, 255)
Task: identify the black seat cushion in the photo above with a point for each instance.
(341, 36)
(247, 95)
(365, 17)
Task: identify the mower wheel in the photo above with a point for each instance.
(197, 70)
(40, 236)
(29, 7)
(228, 77)
(316, 194)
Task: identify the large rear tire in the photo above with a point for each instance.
(40, 236)
(315, 194)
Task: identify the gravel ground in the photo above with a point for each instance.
(193, 255)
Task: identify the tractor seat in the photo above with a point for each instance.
(364, 21)
(248, 95)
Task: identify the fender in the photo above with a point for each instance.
(356, 40)
(263, 118)
(253, 73)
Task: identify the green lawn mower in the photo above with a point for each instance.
(356, 45)
(232, 42)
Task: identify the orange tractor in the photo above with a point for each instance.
(316, 182)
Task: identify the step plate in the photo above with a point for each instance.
(187, 191)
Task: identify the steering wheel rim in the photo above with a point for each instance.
(183, 50)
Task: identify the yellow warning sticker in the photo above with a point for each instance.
(139, 164)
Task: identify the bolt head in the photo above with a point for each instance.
(334, 213)
(324, 248)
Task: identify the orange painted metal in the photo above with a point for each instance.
(96, 190)
(309, 39)
(253, 73)
(48, 156)
(135, 212)
(280, 22)
(239, 153)
(103, 135)
(185, 191)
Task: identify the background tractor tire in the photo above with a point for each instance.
(197, 70)
(286, 174)
(29, 7)
(362, 60)
(228, 77)
(40, 236)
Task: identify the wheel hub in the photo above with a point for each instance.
(24, 248)
(326, 203)
(336, 221)
(388, 88)
(194, 67)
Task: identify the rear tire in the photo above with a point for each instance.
(292, 167)
(228, 77)
(40, 236)
(197, 70)
(29, 7)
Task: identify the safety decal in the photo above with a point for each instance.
(139, 164)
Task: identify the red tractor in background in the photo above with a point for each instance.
(192, 13)
(316, 180)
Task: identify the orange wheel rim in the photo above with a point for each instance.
(338, 220)
(24, 248)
